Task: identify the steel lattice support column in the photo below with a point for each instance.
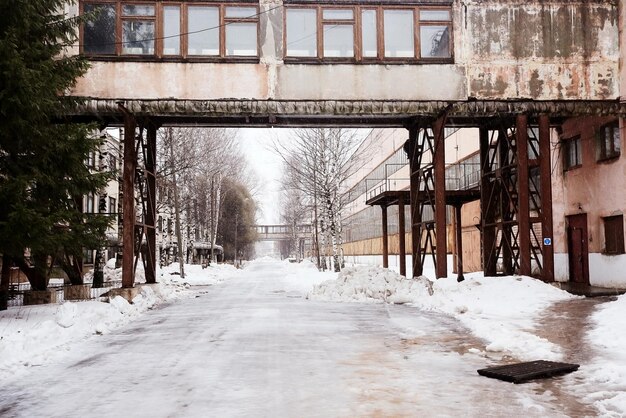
(385, 238)
(128, 200)
(459, 242)
(150, 215)
(488, 213)
(545, 170)
(401, 236)
(523, 189)
(413, 152)
(439, 160)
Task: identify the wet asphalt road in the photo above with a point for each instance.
(248, 348)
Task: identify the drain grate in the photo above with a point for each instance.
(522, 372)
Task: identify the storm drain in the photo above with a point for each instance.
(522, 372)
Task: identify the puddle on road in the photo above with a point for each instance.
(566, 324)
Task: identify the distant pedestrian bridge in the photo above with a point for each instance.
(282, 232)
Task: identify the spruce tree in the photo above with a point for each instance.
(43, 175)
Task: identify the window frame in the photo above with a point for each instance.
(158, 18)
(121, 18)
(579, 154)
(380, 38)
(614, 153)
(617, 246)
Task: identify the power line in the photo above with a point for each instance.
(175, 36)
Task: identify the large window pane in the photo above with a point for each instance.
(241, 12)
(301, 33)
(137, 10)
(138, 37)
(241, 39)
(99, 32)
(399, 35)
(204, 36)
(435, 41)
(338, 41)
(368, 26)
(171, 30)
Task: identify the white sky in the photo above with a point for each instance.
(256, 145)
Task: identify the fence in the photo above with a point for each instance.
(16, 291)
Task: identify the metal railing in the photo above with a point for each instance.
(17, 290)
(464, 175)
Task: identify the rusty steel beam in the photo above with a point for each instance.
(545, 172)
(459, 243)
(439, 160)
(150, 215)
(385, 238)
(401, 236)
(523, 190)
(412, 151)
(488, 229)
(128, 200)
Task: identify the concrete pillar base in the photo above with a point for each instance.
(77, 292)
(129, 293)
(40, 297)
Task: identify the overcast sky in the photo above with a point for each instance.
(256, 144)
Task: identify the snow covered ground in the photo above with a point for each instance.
(503, 313)
(33, 335)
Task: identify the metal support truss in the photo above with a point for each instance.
(516, 201)
(426, 151)
(138, 185)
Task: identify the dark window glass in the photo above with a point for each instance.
(572, 153)
(614, 234)
(608, 141)
(99, 32)
(138, 37)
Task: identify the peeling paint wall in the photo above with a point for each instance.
(541, 49)
(595, 188)
(511, 49)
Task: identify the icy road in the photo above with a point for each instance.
(254, 346)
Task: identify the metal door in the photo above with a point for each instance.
(578, 248)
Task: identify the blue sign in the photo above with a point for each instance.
(547, 242)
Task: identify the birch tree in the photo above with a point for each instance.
(318, 162)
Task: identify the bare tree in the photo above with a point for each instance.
(192, 172)
(318, 162)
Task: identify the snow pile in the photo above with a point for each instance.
(195, 275)
(30, 335)
(502, 310)
(608, 370)
(303, 276)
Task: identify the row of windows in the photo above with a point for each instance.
(209, 30)
(94, 204)
(607, 145)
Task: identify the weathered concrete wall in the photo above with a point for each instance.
(542, 49)
(509, 49)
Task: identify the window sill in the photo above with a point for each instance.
(353, 61)
(574, 167)
(612, 254)
(608, 159)
(141, 58)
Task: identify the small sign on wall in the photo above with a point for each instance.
(547, 242)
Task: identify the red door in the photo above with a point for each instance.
(578, 248)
